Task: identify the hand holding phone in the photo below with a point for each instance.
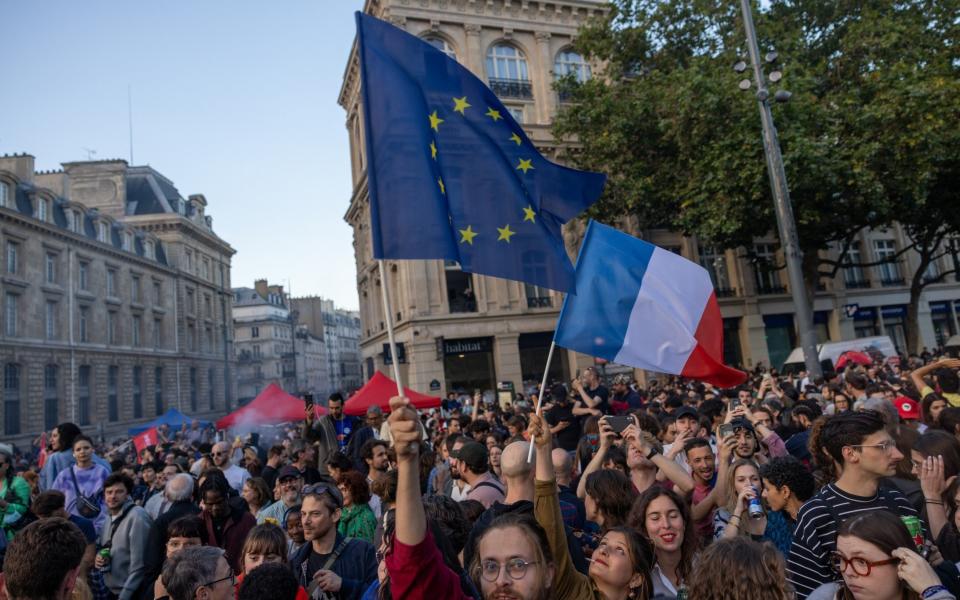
(726, 430)
(618, 423)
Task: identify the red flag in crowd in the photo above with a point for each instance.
(43, 450)
(144, 440)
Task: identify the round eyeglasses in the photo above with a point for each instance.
(860, 566)
(516, 568)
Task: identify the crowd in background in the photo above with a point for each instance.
(843, 486)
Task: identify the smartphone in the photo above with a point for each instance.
(734, 402)
(618, 424)
(726, 430)
(308, 401)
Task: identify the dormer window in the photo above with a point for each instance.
(77, 221)
(4, 194)
(103, 232)
(43, 209)
(127, 241)
(148, 249)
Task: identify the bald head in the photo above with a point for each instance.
(562, 465)
(221, 455)
(513, 462)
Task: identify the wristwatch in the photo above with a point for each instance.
(653, 452)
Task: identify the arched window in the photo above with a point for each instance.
(506, 62)
(441, 44)
(568, 62)
(11, 399)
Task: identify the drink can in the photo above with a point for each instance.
(915, 529)
(753, 506)
(105, 553)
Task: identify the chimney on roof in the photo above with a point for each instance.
(260, 285)
(21, 165)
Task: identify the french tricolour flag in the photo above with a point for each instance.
(646, 307)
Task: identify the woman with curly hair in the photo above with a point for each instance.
(738, 568)
(663, 517)
(356, 518)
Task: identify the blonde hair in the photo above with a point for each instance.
(731, 482)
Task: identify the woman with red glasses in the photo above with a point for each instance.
(875, 556)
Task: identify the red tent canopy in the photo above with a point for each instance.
(378, 391)
(272, 406)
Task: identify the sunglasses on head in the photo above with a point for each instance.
(318, 489)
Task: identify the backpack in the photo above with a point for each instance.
(87, 506)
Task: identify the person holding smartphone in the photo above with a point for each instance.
(564, 425)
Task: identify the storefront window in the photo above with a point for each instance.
(468, 365)
(534, 348)
(781, 338)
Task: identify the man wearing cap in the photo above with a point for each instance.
(330, 565)
(302, 455)
(473, 462)
(291, 483)
(624, 395)
(909, 411)
(688, 424)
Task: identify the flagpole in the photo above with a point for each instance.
(543, 387)
(389, 321)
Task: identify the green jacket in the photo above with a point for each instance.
(357, 521)
(17, 497)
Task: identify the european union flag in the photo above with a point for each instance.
(450, 173)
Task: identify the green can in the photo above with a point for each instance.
(915, 529)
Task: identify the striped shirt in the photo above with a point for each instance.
(815, 537)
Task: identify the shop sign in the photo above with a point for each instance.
(467, 346)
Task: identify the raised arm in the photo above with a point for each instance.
(606, 440)
(411, 519)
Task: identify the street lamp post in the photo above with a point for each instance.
(781, 198)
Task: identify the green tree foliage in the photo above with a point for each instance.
(869, 136)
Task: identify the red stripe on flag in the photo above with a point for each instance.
(706, 360)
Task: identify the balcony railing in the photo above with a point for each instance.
(892, 281)
(512, 88)
(539, 301)
(723, 292)
(461, 305)
(771, 289)
(856, 284)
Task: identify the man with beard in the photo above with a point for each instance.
(594, 397)
(330, 433)
(339, 567)
(513, 552)
(370, 431)
(303, 455)
(226, 525)
(374, 455)
(127, 538)
(866, 453)
(624, 395)
(707, 495)
(235, 475)
(564, 426)
(456, 487)
(291, 483)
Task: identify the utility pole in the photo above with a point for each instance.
(781, 198)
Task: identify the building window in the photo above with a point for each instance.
(441, 45)
(84, 325)
(853, 275)
(537, 297)
(112, 283)
(459, 289)
(10, 315)
(191, 307)
(191, 337)
(50, 400)
(11, 399)
(158, 390)
(127, 241)
(138, 392)
(765, 269)
(113, 404)
(256, 350)
(148, 249)
(714, 261)
(103, 232)
(193, 389)
(255, 332)
(189, 261)
(157, 333)
(4, 194)
(77, 222)
(13, 257)
(50, 267)
(135, 288)
(157, 294)
(111, 327)
(211, 392)
(209, 340)
(889, 271)
(83, 276)
(507, 72)
(135, 324)
(517, 113)
(43, 212)
(569, 62)
(207, 306)
(83, 394)
(50, 320)
(205, 268)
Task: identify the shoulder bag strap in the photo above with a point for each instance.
(336, 553)
(76, 486)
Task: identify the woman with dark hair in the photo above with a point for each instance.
(620, 566)
(740, 569)
(950, 420)
(876, 559)
(82, 484)
(931, 407)
(356, 518)
(61, 456)
(14, 492)
(257, 494)
(265, 544)
(936, 461)
(664, 518)
(609, 496)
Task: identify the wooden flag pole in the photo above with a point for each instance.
(543, 388)
(389, 321)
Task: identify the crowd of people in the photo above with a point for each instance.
(842, 486)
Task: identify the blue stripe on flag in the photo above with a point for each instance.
(610, 270)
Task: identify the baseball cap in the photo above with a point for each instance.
(741, 423)
(474, 455)
(621, 379)
(288, 471)
(908, 408)
(686, 411)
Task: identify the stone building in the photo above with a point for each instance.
(116, 301)
(339, 330)
(459, 331)
(263, 333)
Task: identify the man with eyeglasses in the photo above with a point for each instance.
(866, 453)
(198, 573)
(235, 475)
(330, 565)
(291, 483)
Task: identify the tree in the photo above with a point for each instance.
(682, 147)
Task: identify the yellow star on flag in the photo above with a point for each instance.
(525, 165)
(516, 138)
(460, 105)
(529, 214)
(467, 235)
(493, 114)
(505, 233)
(443, 189)
(433, 151)
(435, 121)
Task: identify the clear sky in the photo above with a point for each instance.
(236, 100)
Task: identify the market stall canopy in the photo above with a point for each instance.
(271, 407)
(173, 418)
(378, 391)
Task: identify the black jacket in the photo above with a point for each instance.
(356, 565)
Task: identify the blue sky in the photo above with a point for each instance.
(235, 100)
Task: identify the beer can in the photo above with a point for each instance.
(915, 529)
